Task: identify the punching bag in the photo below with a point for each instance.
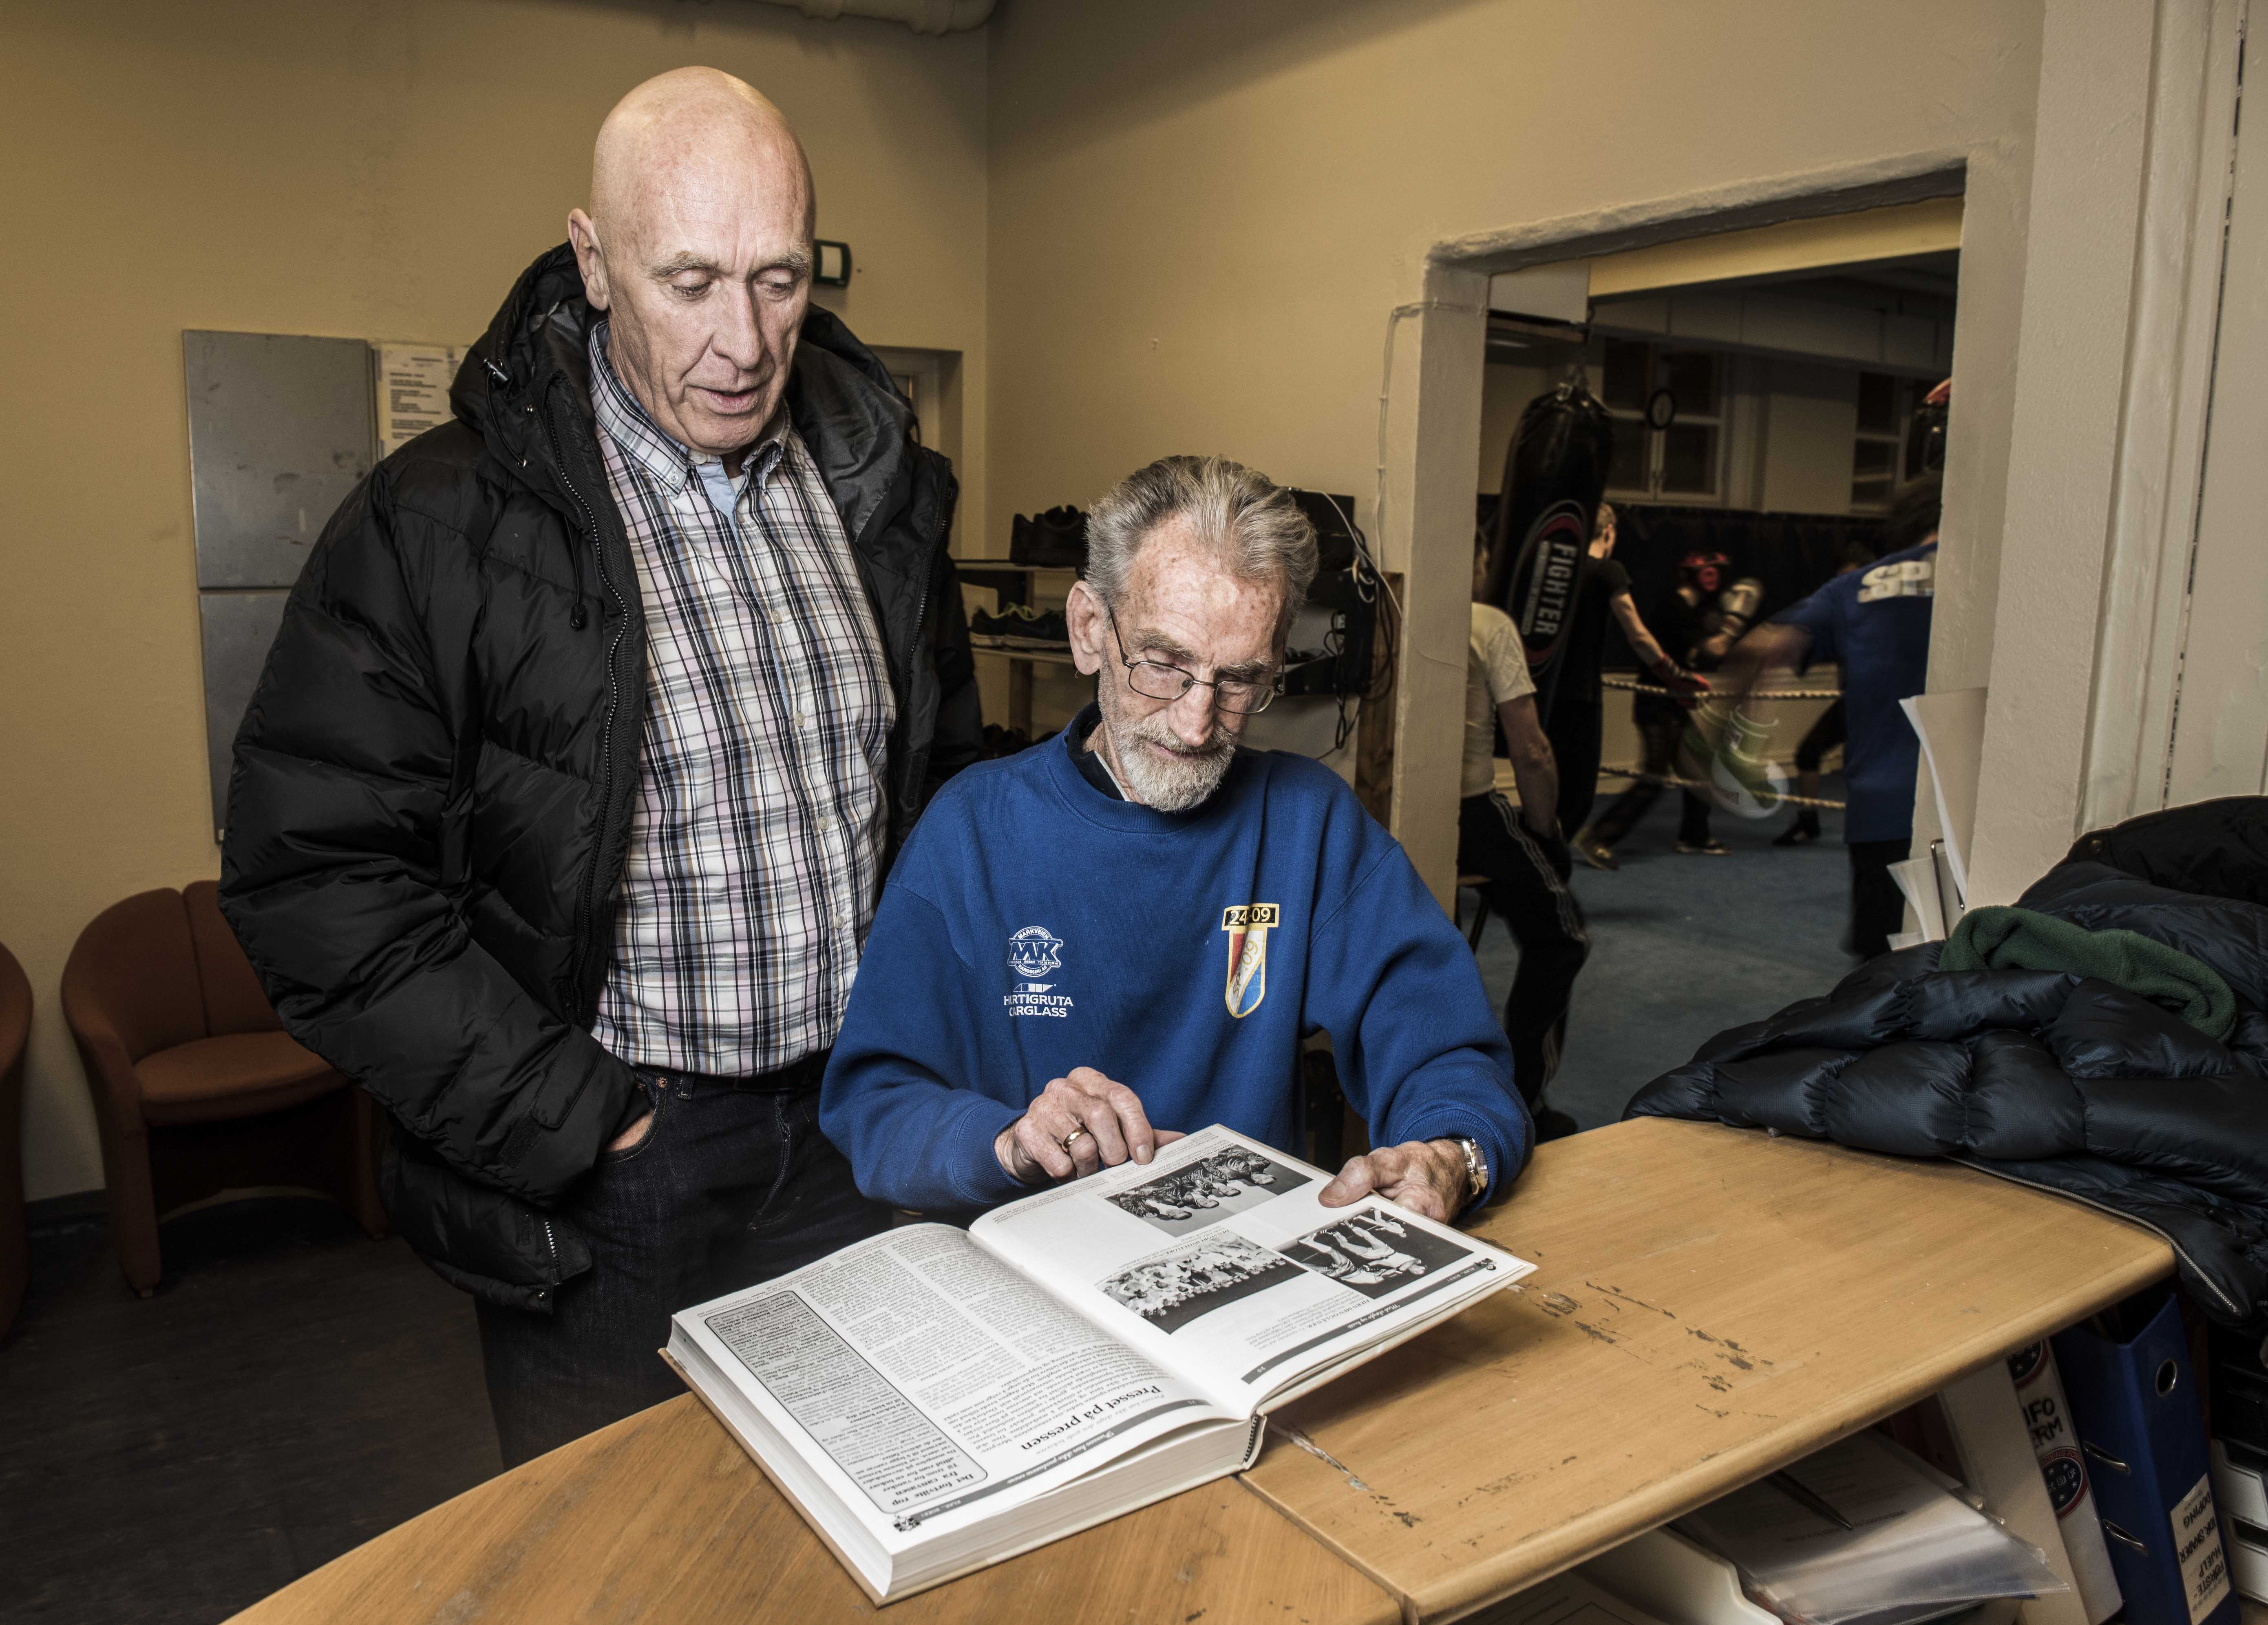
(1555, 475)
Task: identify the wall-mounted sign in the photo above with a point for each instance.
(411, 382)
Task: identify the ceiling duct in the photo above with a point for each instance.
(921, 16)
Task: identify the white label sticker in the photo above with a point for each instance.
(2197, 1541)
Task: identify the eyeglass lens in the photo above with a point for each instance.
(1155, 680)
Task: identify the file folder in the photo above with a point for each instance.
(2135, 1407)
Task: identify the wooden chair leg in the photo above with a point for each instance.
(133, 1210)
(370, 1128)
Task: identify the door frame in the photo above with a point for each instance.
(1430, 424)
(2089, 255)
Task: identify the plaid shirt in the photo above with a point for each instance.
(756, 846)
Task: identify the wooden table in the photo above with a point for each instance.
(1711, 1304)
(663, 1518)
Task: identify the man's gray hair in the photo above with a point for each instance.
(1250, 523)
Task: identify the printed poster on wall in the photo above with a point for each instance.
(413, 390)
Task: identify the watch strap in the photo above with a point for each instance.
(1476, 1174)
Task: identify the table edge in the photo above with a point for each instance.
(1494, 1580)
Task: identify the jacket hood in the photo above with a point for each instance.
(503, 365)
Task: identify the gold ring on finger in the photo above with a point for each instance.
(1073, 1135)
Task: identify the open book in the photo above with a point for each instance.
(935, 1399)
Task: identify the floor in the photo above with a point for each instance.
(293, 1389)
(1683, 947)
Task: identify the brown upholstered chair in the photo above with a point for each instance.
(15, 1243)
(196, 1088)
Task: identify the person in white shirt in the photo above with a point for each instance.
(1521, 850)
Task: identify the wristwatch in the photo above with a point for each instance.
(1476, 1174)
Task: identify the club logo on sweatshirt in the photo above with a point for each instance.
(1247, 925)
(1033, 953)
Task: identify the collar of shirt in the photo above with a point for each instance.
(670, 465)
(1092, 765)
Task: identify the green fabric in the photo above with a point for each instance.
(1999, 938)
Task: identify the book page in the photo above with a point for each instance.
(1218, 1262)
(929, 1384)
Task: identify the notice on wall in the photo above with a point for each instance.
(413, 390)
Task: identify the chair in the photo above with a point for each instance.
(196, 1088)
(15, 1242)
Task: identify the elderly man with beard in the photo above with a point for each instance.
(1122, 935)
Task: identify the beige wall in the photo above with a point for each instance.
(1811, 421)
(381, 170)
(1202, 214)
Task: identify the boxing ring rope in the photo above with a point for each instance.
(1632, 686)
(1701, 788)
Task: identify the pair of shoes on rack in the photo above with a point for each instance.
(1022, 625)
(1593, 850)
(1705, 849)
(1056, 539)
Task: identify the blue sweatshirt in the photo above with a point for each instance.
(1035, 923)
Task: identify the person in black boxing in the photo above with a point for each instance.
(1692, 624)
(1577, 709)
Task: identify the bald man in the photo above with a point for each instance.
(561, 811)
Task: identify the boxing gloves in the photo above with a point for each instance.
(1728, 752)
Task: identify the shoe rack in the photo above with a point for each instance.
(1015, 584)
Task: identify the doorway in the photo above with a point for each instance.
(1770, 406)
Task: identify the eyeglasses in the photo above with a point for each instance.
(1154, 680)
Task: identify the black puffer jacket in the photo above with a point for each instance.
(2053, 1080)
(433, 784)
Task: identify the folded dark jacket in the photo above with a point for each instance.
(2005, 938)
(2064, 1081)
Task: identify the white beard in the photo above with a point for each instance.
(1169, 782)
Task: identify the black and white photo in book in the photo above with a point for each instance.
(1373, 1252)
(1172, 1289)
(1207, 1191)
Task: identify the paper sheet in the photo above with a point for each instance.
(413, 391)
(1918, 880)
(1951, 727)
(1905, 1547)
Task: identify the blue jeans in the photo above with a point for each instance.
(733, 1184)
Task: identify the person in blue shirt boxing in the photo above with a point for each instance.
(1873, 623)
(1122, 935)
